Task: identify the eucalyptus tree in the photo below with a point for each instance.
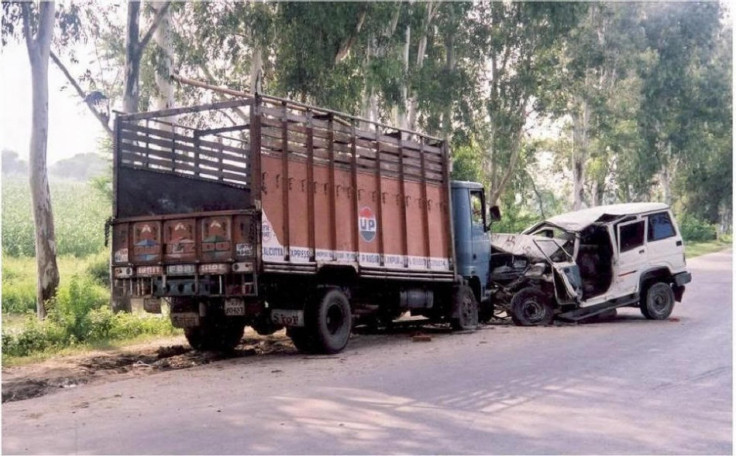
(681, 39)
(521, 43)
(595, 94)
(135, 45)
(37, 29)
(704, 181)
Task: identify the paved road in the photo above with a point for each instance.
(624, 386)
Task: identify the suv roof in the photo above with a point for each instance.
(579, 220)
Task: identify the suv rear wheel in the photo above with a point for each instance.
(658, 301)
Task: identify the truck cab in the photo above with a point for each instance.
(471, 225)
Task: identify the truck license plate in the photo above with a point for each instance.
(181, 269)
(234, 307)
(152, 305)
(287, 317)
(185, 320)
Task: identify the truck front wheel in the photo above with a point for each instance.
(464, 309)
(216, 333)
(658, 302)
(531, 307)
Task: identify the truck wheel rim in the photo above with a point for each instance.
(334, 319)
(467, 309)
(533, 310)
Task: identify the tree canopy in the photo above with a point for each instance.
(553, 105)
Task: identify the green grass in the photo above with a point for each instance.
(80, 349)
(695, 249)
(19, 278)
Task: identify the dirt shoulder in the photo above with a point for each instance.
(38, 379)
(174, 353)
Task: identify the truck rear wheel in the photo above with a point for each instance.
(658, 302)
(329, 321)
(216, 334)
(464, 309)
(301, 338)
(531, 307)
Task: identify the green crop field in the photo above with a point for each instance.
(79, 218)
(80, 315)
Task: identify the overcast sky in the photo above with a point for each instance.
(72, 128)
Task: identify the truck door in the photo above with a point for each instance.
(631, 256)
(481, 243)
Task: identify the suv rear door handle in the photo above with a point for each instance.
(678, 243)
(641, 251)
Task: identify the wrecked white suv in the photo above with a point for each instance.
(580, 264)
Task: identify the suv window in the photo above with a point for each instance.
(632, 236)
(660, 227)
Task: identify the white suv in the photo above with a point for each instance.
(580, 264)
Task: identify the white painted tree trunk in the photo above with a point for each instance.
(45, 239)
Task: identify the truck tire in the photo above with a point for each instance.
(658, 301)
(485, 311)
(531, 307)
(301, 338)
(329, 321)
(264, 326)
(464, 309)
(216, 334)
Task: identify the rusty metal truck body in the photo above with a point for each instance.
(265, 212)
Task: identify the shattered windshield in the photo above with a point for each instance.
(535, 247)
(559, 243)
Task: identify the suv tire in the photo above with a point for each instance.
(658, 301)
(531, 307)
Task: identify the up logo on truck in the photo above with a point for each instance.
(367, 224)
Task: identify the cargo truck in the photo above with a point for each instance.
(264, 212)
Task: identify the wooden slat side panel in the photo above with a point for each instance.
(168, 148)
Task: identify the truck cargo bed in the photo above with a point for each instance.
(323, 188)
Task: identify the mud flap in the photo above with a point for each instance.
(283, 317)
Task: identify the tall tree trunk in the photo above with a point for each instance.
(256, 69)
(162, 38)
(497, 189)
(403, 119)
(131, 91)
(665, 175)
(134, 46)
(579, 152)
(450, 66)
(45, 239)
(421, 51)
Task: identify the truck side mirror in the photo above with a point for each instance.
(495, 213)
